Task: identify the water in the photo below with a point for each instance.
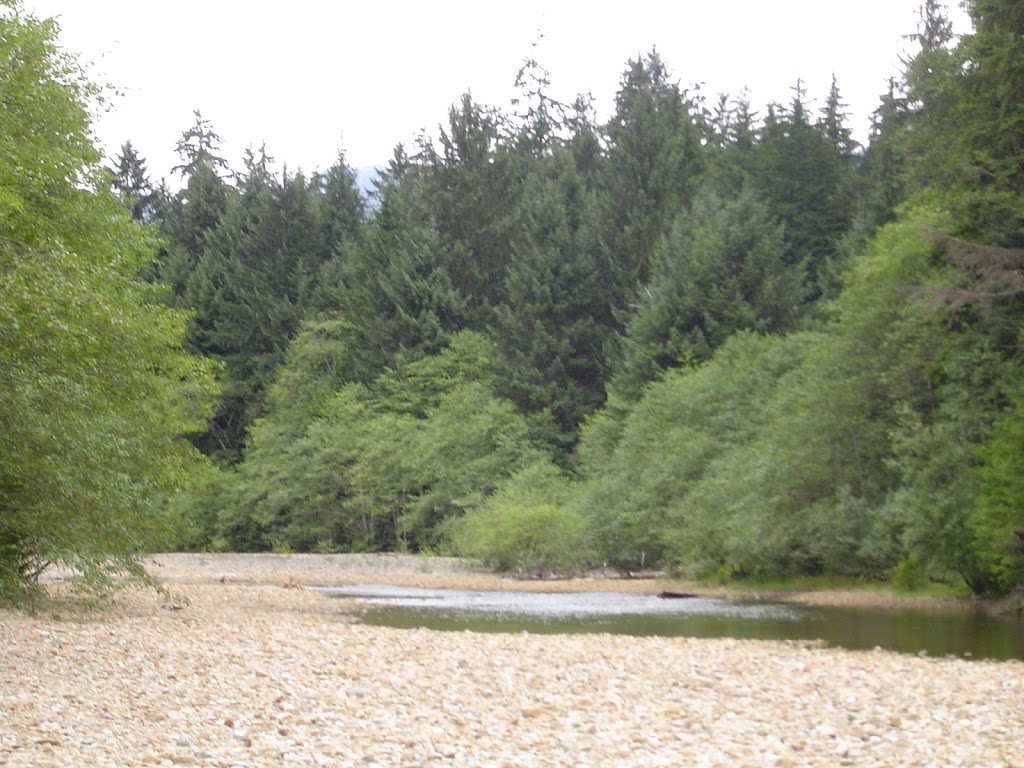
(934, 632)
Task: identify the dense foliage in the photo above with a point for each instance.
(695, 336)
(96, 389)
(690, 336)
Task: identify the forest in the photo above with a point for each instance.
(705, 336)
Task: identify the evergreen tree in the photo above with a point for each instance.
(932, 142)
(131, 182)
(804, 171)
(344, 206)
(187, 221)
(552, 329)
(990, 115)
(882, 167)
(654, 159)
(248, 292)
(396, 290)
(722, 269)
(472, 184)
(731, 138)
(198, 146)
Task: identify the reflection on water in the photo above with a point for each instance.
(937, 633)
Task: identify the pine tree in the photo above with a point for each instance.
(722, 269)
(552, 329)
(131, 182)
(804, 172)
(654, 158)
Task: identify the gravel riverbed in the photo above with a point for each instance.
(252, 671)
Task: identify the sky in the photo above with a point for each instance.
(309, 78)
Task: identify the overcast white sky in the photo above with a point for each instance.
(310, 77)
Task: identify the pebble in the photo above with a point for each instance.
(256, 675)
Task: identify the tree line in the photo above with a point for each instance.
(723, 339)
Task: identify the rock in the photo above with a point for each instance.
(255, 675)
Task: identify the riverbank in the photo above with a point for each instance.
(236, 667)
(455, 573)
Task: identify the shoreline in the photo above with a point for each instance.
(447, 572)
(240, 666)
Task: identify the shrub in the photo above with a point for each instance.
(527, 527)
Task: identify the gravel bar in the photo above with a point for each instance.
(259, 674)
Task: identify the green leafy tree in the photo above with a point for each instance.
(637, 491)
(96, 390)
(997, 520)
(829, 485)
(528, 526)
(387, 464)
(961, 147)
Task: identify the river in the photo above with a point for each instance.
(929, 631)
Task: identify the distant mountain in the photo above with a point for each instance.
(366, 176)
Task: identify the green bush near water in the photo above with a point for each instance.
(527, 528)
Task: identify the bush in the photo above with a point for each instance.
(526, 527)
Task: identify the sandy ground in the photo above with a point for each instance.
(237, 667)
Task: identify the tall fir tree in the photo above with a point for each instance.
(552, 329)
(721, 269)
(472, 183)
(249, 292)
(804, 171)
(654, 159)
(189, 217)
(131, 181)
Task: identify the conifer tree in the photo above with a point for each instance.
(193, 213)
(804, 172)
(552, 329)
(654, 159)
(396, 290)
(249, 291)
(473, 186)
(131, 182)
(720, 270)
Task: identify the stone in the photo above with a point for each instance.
(289, 677)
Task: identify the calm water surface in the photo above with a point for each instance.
(935, 632)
